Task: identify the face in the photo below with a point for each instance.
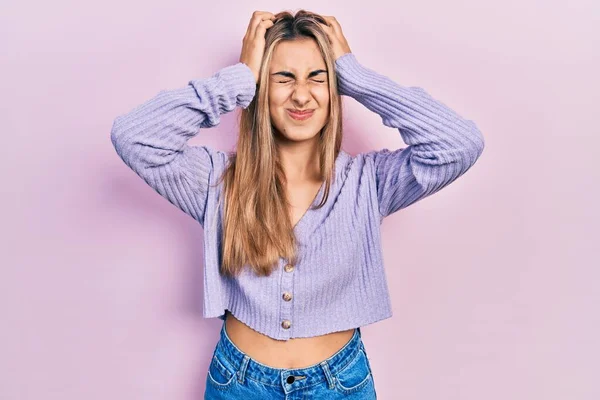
(298, 81)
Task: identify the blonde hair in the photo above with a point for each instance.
(256, 229)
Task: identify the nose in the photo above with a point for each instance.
(301, 94)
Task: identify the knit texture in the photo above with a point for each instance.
(339, 281)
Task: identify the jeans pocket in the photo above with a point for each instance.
(354, 376)
(221, 374)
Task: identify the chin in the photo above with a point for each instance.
(295, 135)
(300, 137)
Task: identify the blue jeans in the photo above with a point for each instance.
(232, 374)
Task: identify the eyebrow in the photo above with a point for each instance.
(291, 75)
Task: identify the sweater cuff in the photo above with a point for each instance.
(238, 81)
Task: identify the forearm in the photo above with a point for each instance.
(422, 121)
(158, 130)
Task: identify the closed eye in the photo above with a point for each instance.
(314, 80)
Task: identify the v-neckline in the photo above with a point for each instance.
(309, 208)
(306, 223)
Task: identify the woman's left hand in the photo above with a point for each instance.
(336, 37)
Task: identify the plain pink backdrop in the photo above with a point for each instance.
(494, 280)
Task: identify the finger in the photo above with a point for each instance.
(326, 28)
(329, 32)
(259, 26)
(257, 18)
(262, 28)
(249, 29)
(335, 25)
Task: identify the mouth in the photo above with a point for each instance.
(300, 115)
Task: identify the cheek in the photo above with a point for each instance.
(324, 102)
(276, 97)
(274, 106)
(322, 96)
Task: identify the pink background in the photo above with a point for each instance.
(494, 280)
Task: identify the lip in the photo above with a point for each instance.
(301, 116)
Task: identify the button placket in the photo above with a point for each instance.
(287, 284)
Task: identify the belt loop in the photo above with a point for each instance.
(330, 378)
(242, 371)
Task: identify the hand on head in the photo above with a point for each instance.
(336, 37)
(253, 44)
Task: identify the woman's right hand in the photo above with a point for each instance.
(253, 45)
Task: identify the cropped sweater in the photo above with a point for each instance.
(339, 281)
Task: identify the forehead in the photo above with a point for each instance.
(297, 56)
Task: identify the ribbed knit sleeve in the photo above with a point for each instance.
(441, 145)
(152, 138)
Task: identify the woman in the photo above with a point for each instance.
(293, 261)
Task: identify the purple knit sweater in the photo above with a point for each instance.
(339, 282)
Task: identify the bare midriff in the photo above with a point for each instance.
(291, 353)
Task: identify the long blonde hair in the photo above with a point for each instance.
(256, 229)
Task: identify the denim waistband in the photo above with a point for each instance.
(290, 379)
